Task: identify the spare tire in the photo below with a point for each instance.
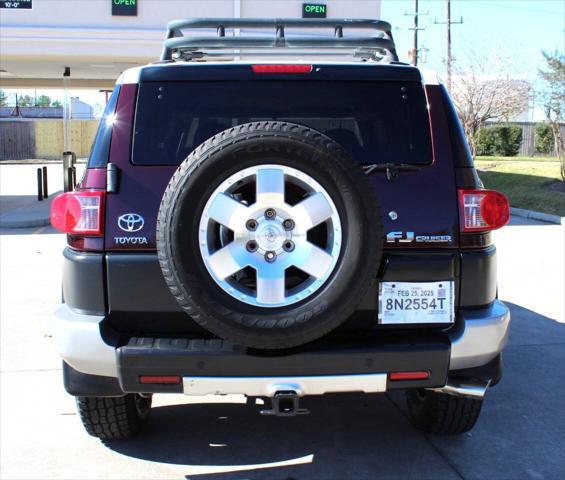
(269, 235)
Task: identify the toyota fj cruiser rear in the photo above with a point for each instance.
(279, 229)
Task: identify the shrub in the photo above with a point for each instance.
(484, 141)
(504, 140)
(508, 140)
(544, 138)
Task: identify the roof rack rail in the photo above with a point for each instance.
(378, 47)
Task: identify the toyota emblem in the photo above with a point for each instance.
(131, 222)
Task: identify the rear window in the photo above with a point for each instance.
(377, 122)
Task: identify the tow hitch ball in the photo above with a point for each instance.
(285, 403)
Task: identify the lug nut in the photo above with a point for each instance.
(270, 256)
(270, 213)
(251, 246)
(288, 224)
(288, 246)
(251, 225)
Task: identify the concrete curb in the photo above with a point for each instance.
(37, 222)
(540, 216)
(30, 215)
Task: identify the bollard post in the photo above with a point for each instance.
(45, 192)
(69, 182)
(39, 185)
(69, 160)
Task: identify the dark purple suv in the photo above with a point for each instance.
(279, 229)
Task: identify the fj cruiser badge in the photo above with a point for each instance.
(409, 237)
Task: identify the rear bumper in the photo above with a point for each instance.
(479, 339)
(482, 335)
(330, 365)
(79, 342)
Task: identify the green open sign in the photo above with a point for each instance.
(314, 10)
(124, 7)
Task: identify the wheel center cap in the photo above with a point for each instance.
(270, 236)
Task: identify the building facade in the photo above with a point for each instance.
(79, 111)
(98, 39)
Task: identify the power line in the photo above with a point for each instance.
(448, 23)
(513, 7)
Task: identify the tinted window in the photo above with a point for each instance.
(101, 147)
(378, 122)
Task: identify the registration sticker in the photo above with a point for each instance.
(416, 302)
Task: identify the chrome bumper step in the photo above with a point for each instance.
(270, 386)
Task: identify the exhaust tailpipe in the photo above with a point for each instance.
(464, 388)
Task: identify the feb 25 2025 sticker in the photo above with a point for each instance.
(416, 302)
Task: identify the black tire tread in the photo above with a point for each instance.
(442, 413)
(110, 418)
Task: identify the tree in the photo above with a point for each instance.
(56, 103)
(25, 101)
(553, 100)
(43, 101)
(3, 99)
(479, 95)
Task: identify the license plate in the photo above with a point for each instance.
(416, 302)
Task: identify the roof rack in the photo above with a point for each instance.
(378, 47)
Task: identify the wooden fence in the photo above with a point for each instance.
(22, 139)
(17, 140)
(42, 138)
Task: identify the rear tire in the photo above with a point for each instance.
(114, 418)
(435, 412)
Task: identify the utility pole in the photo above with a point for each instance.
(415, 50)
(448, 23)
(415, 32)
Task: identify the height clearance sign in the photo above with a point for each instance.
(19, 4)
(126, 8)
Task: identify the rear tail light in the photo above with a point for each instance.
(281, 68)
(482, 210)
(79, 212)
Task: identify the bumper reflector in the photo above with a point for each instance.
(409, 375)
(160, 379)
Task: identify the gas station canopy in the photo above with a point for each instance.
(98, 39)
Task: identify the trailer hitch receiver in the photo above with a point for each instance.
(285, 403)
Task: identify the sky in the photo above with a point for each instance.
(517, 30)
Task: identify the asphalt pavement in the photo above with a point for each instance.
(520, 434)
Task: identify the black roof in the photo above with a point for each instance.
(224, 71)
